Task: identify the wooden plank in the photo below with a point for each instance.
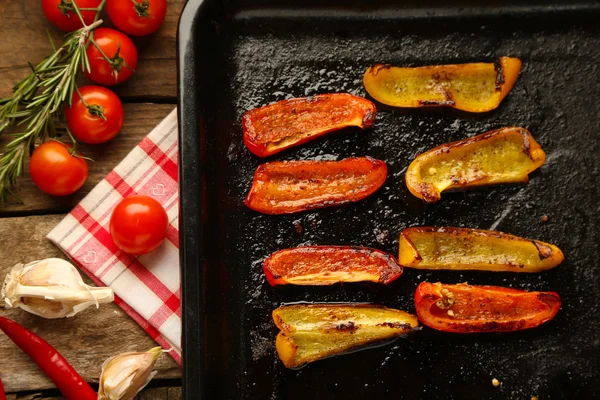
(140, 119)
(86, 340)
(163, 393)
(24, 28)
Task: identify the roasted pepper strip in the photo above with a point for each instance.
(310, 332)
(505, 155)
(474, 249)
(276, 127)
(292, 186)
(67, 380)
(467, 309)
(326, 265)
(475, 87)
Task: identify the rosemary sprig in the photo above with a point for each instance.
(36, 100)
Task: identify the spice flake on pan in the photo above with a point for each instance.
(505, 155)
(327, 265)
(474, 87)
(427, 247)
(285, 187)
(464, 308)
(310, 332)
(287, 123)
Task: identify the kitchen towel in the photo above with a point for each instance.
(147, 287)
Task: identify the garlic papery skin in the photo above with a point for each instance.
(51, 288)
(123, 376)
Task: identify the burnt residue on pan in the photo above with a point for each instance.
(262, 57)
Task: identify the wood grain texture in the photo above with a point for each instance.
(140, 119)
(24, 31)
(86, 340)
(170, 393)
(161, 393)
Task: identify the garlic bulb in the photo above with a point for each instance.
(51, 288)
(123, 376)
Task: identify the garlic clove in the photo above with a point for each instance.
(51, 288)
(125, 375)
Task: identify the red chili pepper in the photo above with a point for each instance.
(2, 394)
(64, 376)
(292, 186)
(287, 123)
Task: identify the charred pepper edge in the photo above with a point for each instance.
(393, 271)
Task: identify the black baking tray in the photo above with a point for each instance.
(237, 55)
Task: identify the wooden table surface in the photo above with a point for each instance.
(87, 339)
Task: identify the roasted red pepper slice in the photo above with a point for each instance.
(276, 127)
(291, 186)
(326, 265)
(464, 308)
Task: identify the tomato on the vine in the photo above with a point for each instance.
(138, 224)
(95, 115)
(62, 14)
(55, 170)
(114, 61)
(137, 17)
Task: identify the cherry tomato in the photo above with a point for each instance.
(122, 55)
(138, 224)
(55, 170)
(137, 17)
(97, 118)
(62, 14)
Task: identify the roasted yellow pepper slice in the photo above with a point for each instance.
(310, 332)
(474, 87)
(474, 249)
(505, 155)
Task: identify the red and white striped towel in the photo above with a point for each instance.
(147, 287)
